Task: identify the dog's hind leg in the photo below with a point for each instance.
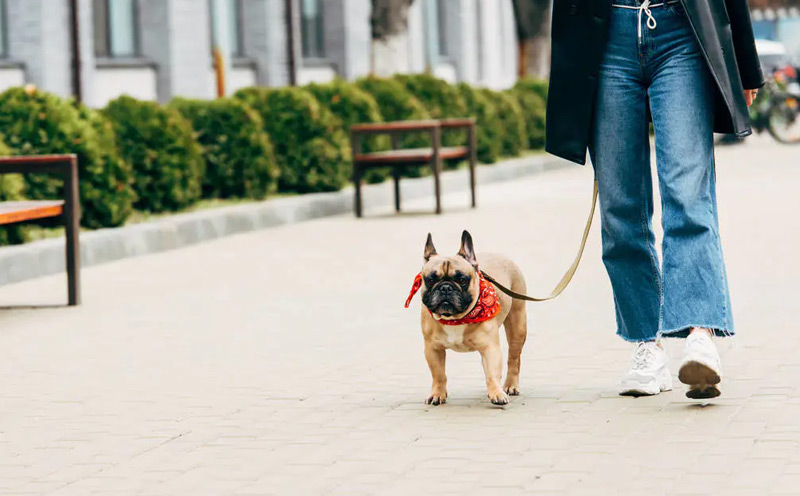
(516, 325)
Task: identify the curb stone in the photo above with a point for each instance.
(46, 257)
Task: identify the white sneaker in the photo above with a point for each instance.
(649, 373)
(701, 367)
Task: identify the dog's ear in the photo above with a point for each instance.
(467, 251)
(430, 250)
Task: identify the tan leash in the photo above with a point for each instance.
(564, 282)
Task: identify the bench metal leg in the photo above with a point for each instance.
(437, 168)
(396, 176)
(72, 225)
(357, 184)
(473, 160)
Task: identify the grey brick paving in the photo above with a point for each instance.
(282, 362)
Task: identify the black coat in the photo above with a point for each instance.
(579, 34)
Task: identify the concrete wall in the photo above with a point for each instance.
(38, 36)
(265, 40)
(112, 82)
(11, 76)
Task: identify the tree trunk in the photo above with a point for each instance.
(389, 36)
(538, 62)
(390, 55)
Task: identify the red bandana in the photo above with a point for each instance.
(487, 306)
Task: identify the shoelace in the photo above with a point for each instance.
(644, 7)
(642, 356)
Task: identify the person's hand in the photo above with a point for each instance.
(750, 96)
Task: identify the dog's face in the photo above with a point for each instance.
(450, 284)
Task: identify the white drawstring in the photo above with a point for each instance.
(644, 7)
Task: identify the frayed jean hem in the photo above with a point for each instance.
(683, 332)
(679, 333)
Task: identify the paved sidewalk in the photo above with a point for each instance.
(283, 362)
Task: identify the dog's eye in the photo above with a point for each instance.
(462, 280)
(430, 281)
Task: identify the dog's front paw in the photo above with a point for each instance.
(512, 390)
(498, 397)
(437, 397)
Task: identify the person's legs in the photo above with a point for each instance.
(695, 289)
(620, 153)
(682, 98)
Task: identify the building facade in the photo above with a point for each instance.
(160, 49)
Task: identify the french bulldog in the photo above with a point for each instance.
(463, 312)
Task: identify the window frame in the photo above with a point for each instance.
(318, 54)
(107, 45)
(3, 30)
(441, 31)
(238, 12)
(240, 53)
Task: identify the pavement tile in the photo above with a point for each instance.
(282, 362)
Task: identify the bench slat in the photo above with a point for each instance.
(411, 155)
(19, 211)
(384, 127)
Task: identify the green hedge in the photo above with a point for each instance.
(12, 188)
(442, 100)
(159, 143)
(352, 105)
(311, 148)
(35, 122)
(239, 162)
(396, 103)
(162, 158)
(535, 85)
(529, 95)
(512, 121)
(533, 111)
(487, 121)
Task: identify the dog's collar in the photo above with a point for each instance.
(487, 306)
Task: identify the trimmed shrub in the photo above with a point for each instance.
(113, 174)
(487, 121)
(532, 97)
(311, 149)
(514, 137)
(441, 99)
(12, 187)
(394, 101)
(535, 85)
(239, 162)
(353, 105)
(159, 144)
(36, 122)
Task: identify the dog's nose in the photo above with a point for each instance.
(446, 287)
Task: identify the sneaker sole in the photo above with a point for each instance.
(643, 390)
(701, 379)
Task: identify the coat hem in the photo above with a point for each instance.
(567, 156)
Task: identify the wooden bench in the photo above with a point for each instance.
(397, 158)
(68, 209)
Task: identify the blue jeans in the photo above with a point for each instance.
(689, 288)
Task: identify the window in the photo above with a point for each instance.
(115, 28)
(313, 42)
(441, 15)
(3, 44)
(235, 27)
(233, 18)
(435, 13)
